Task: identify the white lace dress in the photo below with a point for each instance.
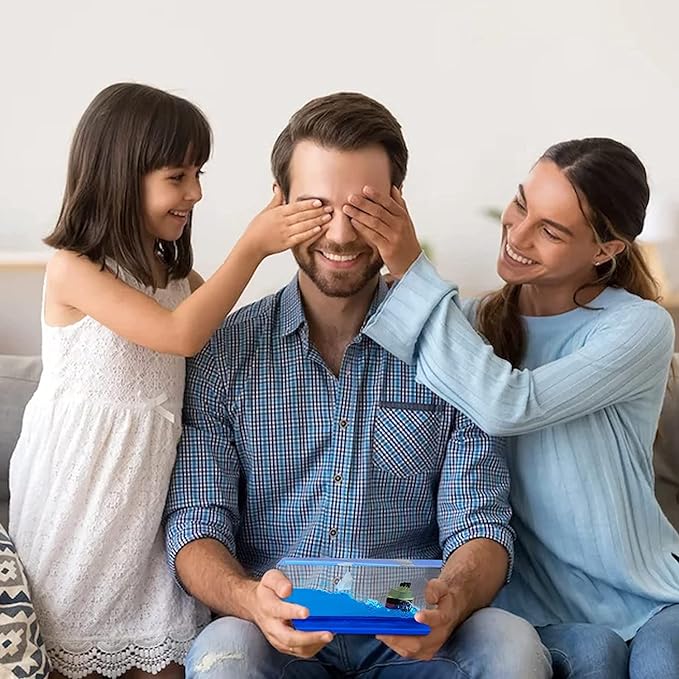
(88, 481)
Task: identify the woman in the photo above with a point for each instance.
(574, 368)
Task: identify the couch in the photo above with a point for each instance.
(19, 377)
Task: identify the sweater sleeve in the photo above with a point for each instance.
(422, 323)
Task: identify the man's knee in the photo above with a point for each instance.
(227, 647)
(495, 643)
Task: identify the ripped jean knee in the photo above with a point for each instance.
(229, 647)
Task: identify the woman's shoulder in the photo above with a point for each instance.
(470, 307)
(619, 303)
(642, 323)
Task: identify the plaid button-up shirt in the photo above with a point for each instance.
(279, 457)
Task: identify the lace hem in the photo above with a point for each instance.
(112, 664)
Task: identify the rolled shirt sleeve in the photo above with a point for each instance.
(203, 496)
(473, 498)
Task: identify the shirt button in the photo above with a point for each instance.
(338, 478)
(333, 532)
(343, 424)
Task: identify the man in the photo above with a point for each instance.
(302, 437)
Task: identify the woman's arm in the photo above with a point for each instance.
(421, 322)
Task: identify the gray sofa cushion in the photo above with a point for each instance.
(18, 379)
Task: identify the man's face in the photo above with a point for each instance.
(339, 262)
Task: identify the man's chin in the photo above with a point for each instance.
(338, 284)
(339, 288)
(341, 285)
(340, 293)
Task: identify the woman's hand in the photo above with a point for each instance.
(385, 223)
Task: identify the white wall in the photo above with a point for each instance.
(481, 88)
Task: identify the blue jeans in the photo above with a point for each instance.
(582, 651)
(654, 651)
(490, 644)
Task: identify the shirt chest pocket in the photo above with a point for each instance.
(407, 439)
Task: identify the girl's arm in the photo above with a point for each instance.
(74, 282)
(421, 322)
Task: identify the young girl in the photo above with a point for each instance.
(575, 371)
(122, 307)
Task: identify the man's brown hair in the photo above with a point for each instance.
(345, 121)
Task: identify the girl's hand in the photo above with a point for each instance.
(385, 223)
(279, 226)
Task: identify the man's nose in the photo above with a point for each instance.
(340, 230)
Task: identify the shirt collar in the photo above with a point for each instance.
(292, 310)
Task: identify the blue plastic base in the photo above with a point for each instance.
(361, 625)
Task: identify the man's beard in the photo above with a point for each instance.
(338, 283)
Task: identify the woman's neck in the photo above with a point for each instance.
(535, 300)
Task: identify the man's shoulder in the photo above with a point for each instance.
(258, 314)
(244, 329)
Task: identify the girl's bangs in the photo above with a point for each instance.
(179, 135)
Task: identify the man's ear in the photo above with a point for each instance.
(275, 186)
(608, 251)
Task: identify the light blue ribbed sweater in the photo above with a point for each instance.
(592, 542)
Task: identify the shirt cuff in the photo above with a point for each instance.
(184, 527)
(503, 535)
(397, 324)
